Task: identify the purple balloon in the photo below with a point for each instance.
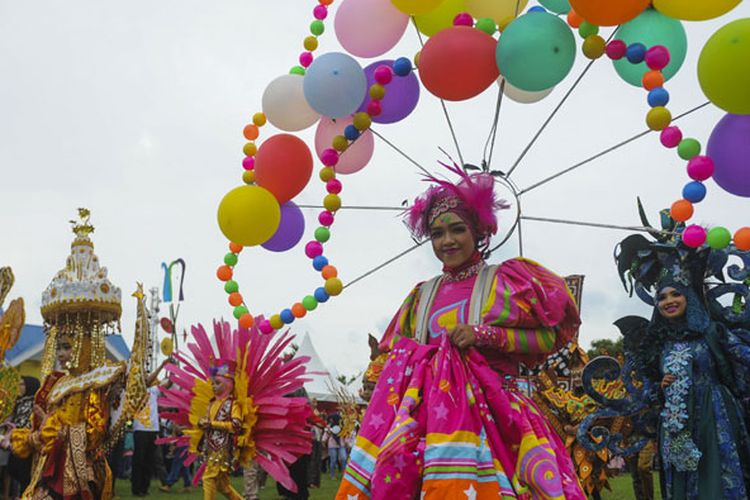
(729, 147)
(290, 230)
(401, 95)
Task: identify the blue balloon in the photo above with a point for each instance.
(635, 52)
(321, 295)
(402, 66)
(537, 8)
(351, 132)
(335, 85)
(286, 316)
(658, 97)
(319, 263)
(694, 192)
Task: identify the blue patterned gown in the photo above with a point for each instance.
(703, 433)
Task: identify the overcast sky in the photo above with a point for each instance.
(135, 110)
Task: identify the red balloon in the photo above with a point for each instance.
(283, 165)
(166, 324)
(610, 12)
(458, 63)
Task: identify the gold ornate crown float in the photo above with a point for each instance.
(80, 303)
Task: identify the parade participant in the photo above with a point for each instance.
(446, 419)
(20, 468)
(231, 406)
(698, 360)
(220, 425)
(85, 400)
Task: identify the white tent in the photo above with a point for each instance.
(323, 384)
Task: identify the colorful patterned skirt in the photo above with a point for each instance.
(443, 424)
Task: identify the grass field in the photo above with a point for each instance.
(621, 490)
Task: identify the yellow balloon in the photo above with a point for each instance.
(440, 18)
(695, 10)
(724, 67)
(416, 7)
(249, 215)
(166, 346)
(501, 11)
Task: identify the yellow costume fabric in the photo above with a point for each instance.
(69, 445)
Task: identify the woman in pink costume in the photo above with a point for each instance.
(446, 419)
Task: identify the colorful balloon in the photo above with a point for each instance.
(283, 165)
(285, 106)
(695, 10)
(290, 231)
(536, 51)
(556, 6)
(439, 18)
(522, 96)
(401, 95)
(500, 11)
(335, 84)
(369, 28)
(609, 12)
(356, 156)
(416, 7)
(724, 67)
(652, 28)
(729, 147)
(457, 63)
(249, 215)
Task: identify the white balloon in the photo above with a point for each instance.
(523, 96)
(285, 105)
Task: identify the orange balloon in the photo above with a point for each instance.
(742, 239)
(681, 210)
(609, 12)
(235, 299)
(247, 320)
(574, 20)
(652, 79)
(224, 273)
(235, 247)
(283, 165)
(251, 132)
(329, 272)
(458, 63)
(298, 310)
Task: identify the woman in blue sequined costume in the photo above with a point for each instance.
(700, 365)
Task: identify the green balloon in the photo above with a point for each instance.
(556, 6)
(587, 29)
(487, 25)
(231, 286)
(536, 51)
(718, 238)
(297, 70)
(688, 149)
(239, 311)
(230, 259)
(652, 28)
(317, 27)
(322, 234)
(309, 303)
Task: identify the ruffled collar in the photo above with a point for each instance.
(466, 270)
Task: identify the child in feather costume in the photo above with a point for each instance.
(231, 403)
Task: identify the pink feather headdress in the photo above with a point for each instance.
(473, 197)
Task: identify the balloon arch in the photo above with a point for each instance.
(470, 45)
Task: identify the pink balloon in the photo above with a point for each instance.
(369, 28)
(356, 156)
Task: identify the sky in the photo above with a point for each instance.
(135, 110)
